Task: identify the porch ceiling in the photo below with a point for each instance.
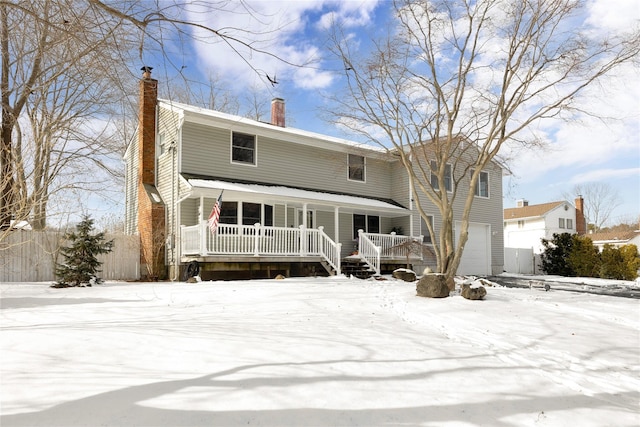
(291, 196)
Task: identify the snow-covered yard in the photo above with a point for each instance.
(315, 352)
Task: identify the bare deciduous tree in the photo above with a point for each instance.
(455, 82)
(600, 200)
(61, 61)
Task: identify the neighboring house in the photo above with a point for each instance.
(294, 202)
(615, 239)
(526, 225)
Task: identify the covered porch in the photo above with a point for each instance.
(266, 223)
(237, 241)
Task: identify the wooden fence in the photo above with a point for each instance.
(30, 256)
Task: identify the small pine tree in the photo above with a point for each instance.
(555, 258)
(80, 264)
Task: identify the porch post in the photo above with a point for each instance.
(303, 240)
(336, 224)
(256, 240)
(203, 228)
(203, 237)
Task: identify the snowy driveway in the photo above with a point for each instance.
(315, 352)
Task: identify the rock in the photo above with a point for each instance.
(473, 292)
(451, 284)
(432, 285)
(404, 274)
(427, 270)
(279, 277)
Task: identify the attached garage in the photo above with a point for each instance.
(476, 259)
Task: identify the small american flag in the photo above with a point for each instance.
(212, 222)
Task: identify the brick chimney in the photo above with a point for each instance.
(147, 127)
(151, 215)
(277, 112)
(581, 223)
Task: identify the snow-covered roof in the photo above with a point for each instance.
(294, 195)
(531, 211)
(206, 116)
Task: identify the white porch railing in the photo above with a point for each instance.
(258, 240)
(373, 246)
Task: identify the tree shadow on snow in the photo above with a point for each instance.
(123, 407)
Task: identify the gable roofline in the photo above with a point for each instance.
(532, 211)
(205, 116)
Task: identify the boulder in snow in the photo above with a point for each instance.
(432, 286)
(404, 274)
(473, 291)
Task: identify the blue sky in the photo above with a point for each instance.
(588, 151)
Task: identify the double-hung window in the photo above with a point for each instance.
(482, 186)
(448, 179)
(243, 148)
(251, 213)
(356, 167)
(366, 223)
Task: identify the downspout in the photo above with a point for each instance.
(411, 199)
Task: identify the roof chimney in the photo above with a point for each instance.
(581, 223)
(522, 203)
(277, 112)
(147, 126)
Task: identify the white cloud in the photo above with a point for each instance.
(349, 14)
(621, 15)
(598, 175)
(280, 28)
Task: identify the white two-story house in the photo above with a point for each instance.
(293, 202)
(526, 225)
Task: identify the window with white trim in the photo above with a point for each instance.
(366, 223)
(569, 223)
(482, 186)
(560, 222)
(448, 179)
(356, 167)
(243, 148)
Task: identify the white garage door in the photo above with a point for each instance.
(476, 259)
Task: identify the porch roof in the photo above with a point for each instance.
(283, 194)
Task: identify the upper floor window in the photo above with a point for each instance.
(482, 186)
(560, 222)
(569, 223)
(243, 148)
(520, 224)
(448, 179)
(356, 167)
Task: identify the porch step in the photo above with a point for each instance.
(356, 268)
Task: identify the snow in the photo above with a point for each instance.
(290, 192)
(315, 352)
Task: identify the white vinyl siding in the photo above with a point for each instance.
(206, 151)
